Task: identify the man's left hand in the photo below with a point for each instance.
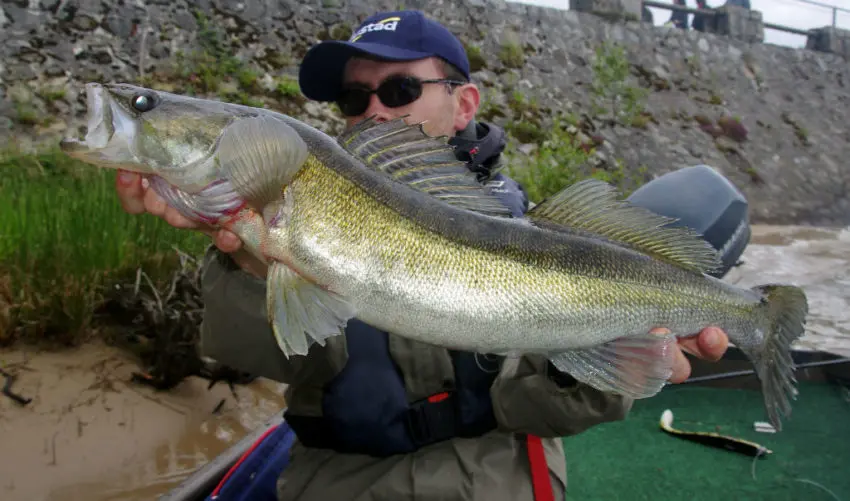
(710, 344)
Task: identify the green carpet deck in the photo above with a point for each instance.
(634, 460)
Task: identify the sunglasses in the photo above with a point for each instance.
(393, 92)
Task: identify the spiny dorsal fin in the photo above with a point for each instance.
(592, 206)
(426, 163)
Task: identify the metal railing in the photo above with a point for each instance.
(778, 27)
(835, 10)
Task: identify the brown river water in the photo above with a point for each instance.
(90, 435)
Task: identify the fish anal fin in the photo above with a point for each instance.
(301, 312)
(407, 154)
(635, 366)
(592, 206)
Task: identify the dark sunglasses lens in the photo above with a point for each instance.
(395, 92)
(353, 102)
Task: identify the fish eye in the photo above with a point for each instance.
(142, 102)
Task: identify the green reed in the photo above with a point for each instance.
(64, 239)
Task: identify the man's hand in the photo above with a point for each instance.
(710, 344)
(137, 198)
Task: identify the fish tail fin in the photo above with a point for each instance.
(261, 155)
(782, 316)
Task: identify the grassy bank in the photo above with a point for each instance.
(64, 240)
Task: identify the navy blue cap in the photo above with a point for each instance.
(395, 36)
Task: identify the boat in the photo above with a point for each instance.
(246, 470)
(249, 468)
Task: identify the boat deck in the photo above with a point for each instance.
(634, 460)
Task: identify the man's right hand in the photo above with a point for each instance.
(136, 197)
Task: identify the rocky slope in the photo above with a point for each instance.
(773, 119)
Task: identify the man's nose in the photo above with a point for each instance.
(377, 109)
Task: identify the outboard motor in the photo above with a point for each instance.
(702, 199)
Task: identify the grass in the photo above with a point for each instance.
(511, 54)
(562, 160)
(613, 93)
(65, 238)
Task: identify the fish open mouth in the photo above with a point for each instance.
(99, 127)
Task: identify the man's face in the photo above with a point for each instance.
(443, 109)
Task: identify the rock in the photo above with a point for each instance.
(19, 71)
(120, 22)
(246, 11)
(84, 22)
(268, 83)
(185, 20)
(527, 149)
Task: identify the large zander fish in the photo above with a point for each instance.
(384, 224)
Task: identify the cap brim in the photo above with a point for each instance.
(320, 74)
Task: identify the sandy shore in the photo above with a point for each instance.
(90, 434)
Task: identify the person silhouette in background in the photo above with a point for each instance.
(698, 23)
(678, 18)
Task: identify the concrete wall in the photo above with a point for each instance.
(792, 103)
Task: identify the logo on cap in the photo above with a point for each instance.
(388, 24)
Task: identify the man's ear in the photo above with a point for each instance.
(469, 98)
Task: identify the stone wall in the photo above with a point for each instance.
(773, 119)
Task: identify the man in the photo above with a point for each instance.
(678, 18)
(379, 417)
(698, 23)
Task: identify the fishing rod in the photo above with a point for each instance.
(729, 375)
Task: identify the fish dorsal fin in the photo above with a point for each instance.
(407, 154)
(592, 206)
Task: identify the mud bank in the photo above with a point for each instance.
(89, 433)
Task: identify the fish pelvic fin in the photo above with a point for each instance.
(260, 156)
(302, 313)
(592, 206)
(634, 366)
(426, 163)
(783, 314)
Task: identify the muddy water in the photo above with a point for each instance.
(89, 435)
(816, 259)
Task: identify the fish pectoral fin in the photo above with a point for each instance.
(592, 206)
(407, 154)
(302, 313)
(636, 366)
(261, 155)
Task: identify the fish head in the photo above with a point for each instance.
(153, 132)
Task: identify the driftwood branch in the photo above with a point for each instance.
(162, 326)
